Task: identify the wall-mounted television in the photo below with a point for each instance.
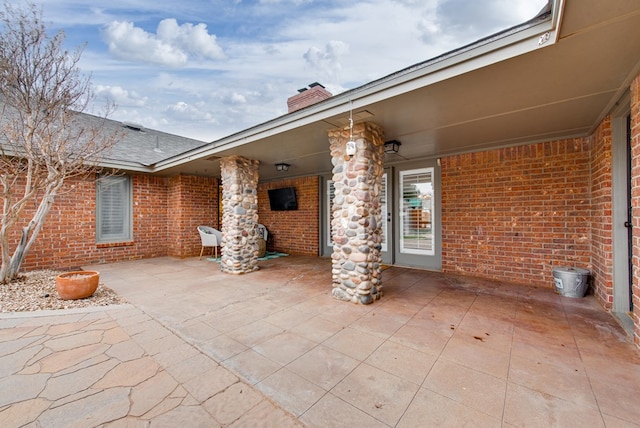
(283, 199)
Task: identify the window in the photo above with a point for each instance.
(384, 211)
(416, 220)
(331, 191)
(113, 209)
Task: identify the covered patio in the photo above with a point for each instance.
(438, 350)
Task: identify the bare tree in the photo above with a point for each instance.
(45, 136)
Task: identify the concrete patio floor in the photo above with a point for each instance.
(272, 348)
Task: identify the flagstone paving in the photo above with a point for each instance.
(117, 367)
(197, 347)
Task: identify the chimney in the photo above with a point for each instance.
(305, 97)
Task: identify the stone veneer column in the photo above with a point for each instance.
(356, 218)
(239, 215)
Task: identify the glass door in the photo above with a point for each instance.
(418, 229)
(386, 217)
(327, 216)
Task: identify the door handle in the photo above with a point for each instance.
(628, 224)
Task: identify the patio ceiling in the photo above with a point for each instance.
(503, 91)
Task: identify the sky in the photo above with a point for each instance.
(207, 69)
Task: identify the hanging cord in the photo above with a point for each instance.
(351, 145)
(350, 120)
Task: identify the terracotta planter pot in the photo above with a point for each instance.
(77, 284)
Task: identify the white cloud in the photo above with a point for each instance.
(381, 36)
(120, 96)
(171, 45)
(182, 110)
(237, 98)
(190, 38)
(131, 43)
(326, 62)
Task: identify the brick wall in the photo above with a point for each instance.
(635, 201)
(192, 201)
(294, 232)
(307, 97)
(515, 213)
(67, 239)
(602, 213)
(166, 213)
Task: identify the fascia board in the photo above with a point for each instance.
(125, 166)
(451, 67)
(102, 163)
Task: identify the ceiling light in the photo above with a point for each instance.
(282, 167)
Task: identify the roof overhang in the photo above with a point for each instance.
(551, 78)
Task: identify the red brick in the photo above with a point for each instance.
(297, 231)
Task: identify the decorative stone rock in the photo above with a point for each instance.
(240, 247)
(367, 299)
(337, 293)
(356, 217)
(349, 284)
(348, 266)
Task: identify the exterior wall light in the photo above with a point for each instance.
(282, 167)
(351, 148)
(392, 146)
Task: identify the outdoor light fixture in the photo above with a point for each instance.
(392, 146)
(351, 145)
(282, 167)
(351, 148)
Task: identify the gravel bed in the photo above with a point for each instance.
(36, 291)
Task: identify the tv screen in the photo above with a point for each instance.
(283, 199)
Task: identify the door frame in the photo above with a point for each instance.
(620, 183)
(432, 262)
(387, 218)
(326, 244)
(394, 194)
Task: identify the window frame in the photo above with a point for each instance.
(127, 209)
(330, 195)
(404, 204)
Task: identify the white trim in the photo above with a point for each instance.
(402, 214)
(329, 206)
(384, 208)
(127, 214)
